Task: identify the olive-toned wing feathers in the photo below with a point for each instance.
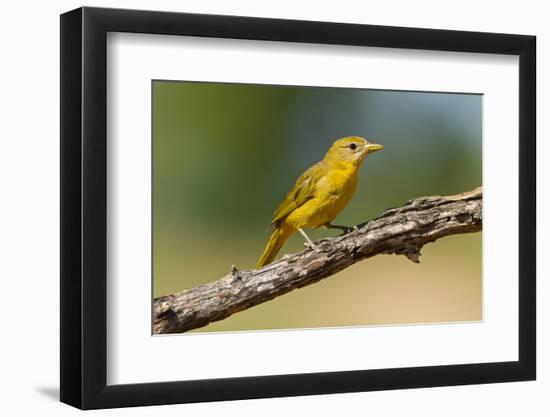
(303, 190)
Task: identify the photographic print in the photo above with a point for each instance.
(311, 209)
(246, 175)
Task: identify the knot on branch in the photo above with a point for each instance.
(235, 274)
(411, 253)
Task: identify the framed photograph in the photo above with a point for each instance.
(257, 208)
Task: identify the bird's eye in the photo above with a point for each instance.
(353, 146)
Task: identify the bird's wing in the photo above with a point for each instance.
(303, 190)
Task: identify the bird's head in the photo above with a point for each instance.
(351, 149)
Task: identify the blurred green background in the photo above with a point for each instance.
(225, 155)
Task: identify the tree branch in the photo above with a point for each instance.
(403, 231)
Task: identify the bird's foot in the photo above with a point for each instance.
(344, 229)
(311, 245)
(308, 243)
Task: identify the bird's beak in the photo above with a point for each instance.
(373, 147)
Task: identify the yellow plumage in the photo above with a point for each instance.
(319, 194)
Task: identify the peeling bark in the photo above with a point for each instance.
(402, 231)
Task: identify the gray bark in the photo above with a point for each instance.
(403, 231)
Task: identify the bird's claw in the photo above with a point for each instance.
(311, 246)
(343, 229)
(346, 230)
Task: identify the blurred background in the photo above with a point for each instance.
(225, 155)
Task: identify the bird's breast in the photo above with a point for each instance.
(333, 191)
(337, 182)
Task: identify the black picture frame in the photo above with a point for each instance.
(84, 207)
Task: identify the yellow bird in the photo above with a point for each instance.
(319, 194)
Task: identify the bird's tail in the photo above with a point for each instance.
(278, 237)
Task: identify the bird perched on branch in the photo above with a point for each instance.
(319, 194)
